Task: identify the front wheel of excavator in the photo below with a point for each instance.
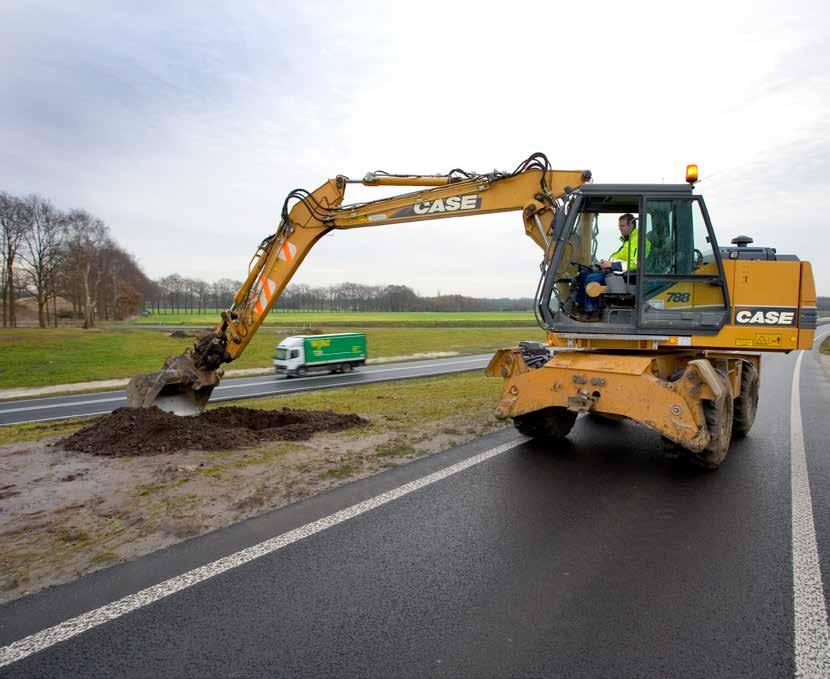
(549, 423)
(719, 414)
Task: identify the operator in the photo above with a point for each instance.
(627, 254)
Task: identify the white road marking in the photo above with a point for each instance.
(59, 417)
(363, 371)
(40, 641)
(62, 405)
(812, 638)
(259, 394)
(71, 404)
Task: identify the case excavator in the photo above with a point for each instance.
(673, 343)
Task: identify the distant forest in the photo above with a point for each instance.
(180, 294)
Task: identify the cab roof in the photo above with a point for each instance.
(593, 189)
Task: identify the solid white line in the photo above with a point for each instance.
(812, 638)
(370, 371)
(62, 405)
(363, 371)
(66, 630)
(334, 386)
(59, 417)
(242, 397)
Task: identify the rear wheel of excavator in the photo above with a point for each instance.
(548, 423)
(746, 402)
(719, 415)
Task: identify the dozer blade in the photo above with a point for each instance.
(179, 387)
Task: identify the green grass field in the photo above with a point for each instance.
(32, 357)
(334, 319)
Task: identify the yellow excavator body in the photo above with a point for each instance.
(673, 343)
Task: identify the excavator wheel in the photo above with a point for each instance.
(719, 417)
(549, 423)
(746, 402)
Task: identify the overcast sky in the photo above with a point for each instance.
(183, 125)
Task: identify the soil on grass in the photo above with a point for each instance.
(150, 431)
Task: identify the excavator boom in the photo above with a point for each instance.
(185, 382)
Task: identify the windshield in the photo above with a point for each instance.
(282, 354)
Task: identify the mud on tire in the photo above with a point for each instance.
(746, 402)
(548, 423)
(719, 416)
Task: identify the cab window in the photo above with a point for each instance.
(681, 286)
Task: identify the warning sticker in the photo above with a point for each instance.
(768, 340)
(743, 342)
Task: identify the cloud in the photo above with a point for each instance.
(184, 126)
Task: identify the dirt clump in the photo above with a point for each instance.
(150, 431)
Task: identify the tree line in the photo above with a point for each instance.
(181, 294)
(47, 254)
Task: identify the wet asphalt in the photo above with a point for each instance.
(597, 557)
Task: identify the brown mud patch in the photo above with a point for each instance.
(150, 431)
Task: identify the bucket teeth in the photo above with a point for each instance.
(179, 387)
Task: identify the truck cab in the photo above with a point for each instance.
(289, 357)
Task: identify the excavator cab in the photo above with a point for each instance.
(673, 282)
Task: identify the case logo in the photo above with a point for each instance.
(471, 201)
(765, 316)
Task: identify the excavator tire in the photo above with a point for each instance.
(746, 402)
(719, 416)
(549, 423)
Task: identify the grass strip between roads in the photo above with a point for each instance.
(34, 357)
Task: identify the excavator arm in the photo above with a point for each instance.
(186, 381)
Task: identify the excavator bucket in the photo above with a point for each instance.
(179, 387)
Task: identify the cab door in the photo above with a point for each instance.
(681, 284)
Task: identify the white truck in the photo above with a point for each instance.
(336, 353)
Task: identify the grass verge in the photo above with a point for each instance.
(34, 357)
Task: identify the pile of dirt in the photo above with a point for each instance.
(150, 431)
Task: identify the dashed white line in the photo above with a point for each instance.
(812, 638)
(70, 628)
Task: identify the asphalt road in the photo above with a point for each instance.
(599, 557)
(100, 403)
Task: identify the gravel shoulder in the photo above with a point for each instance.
(64, 514)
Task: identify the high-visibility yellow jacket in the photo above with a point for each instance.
(627, 254)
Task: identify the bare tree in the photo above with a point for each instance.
(15, 219)
(41, 251)
(86, 239)
(172, 286)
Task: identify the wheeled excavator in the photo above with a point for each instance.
(673, 343)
